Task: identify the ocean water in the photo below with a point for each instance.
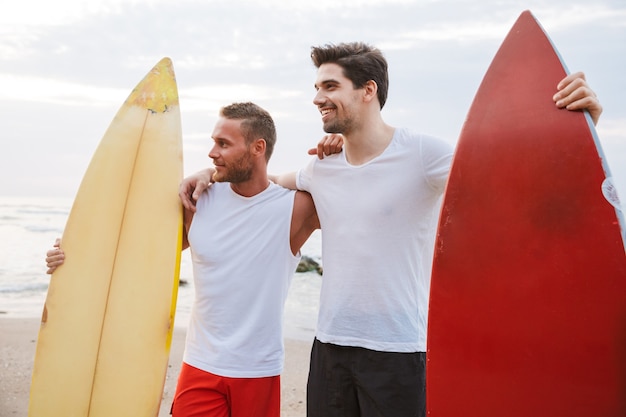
(29, 227)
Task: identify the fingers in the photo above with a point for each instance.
(201, 185)
(191, 187)
(570, 78)
(575, 94)
(189, 192)
(571, 89)
(54, 258)
(320, 149)
(186, 197)
(333, 144)
(328, 145)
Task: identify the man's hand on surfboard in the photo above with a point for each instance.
(191, 187)
(328, 145)
(55, 257)
(575, 94)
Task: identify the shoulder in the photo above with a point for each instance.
(215, 188)
(279, 191)
(412, 137)
(424, 145)
(217, 191)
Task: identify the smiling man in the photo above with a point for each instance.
(377, 204)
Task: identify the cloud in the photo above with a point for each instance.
(44, 90)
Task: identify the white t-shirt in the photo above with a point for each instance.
(378, 224)
(242, 265)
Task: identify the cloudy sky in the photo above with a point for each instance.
(66, 66)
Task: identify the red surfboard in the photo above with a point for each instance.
(528, 296)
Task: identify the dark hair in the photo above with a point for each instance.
(256, 123)
(360, 62)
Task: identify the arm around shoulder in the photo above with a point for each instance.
(287, 180)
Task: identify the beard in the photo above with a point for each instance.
(337, 125)
(333, 127)
(236, 172)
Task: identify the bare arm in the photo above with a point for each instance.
(287, 180)
(304, 220)
(575, 94)
(328, 145)
(187, 218)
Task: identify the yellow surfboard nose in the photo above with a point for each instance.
(157, 91)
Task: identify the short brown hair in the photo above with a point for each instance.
(256, 123)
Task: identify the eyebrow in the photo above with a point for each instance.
(328, 81)
(221, 139)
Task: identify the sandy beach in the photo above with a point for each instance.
(18, 338)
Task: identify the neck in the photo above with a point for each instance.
(255, 185)
(367, 142)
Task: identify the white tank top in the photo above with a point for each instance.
(242, 265)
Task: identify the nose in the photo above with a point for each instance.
(213, 153)
(318, 100)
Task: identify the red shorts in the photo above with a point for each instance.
(203, 394)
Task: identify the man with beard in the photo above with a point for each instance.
(245, 235)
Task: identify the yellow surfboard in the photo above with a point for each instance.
(107, 323)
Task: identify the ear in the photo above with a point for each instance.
(258, 147)
(370, 91)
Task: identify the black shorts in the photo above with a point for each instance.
(357, 382)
